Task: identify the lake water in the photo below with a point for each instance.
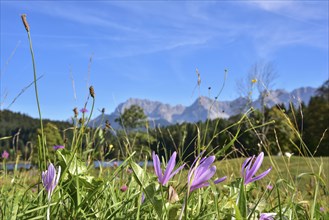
(11, 166)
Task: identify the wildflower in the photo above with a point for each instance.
(5, 155)
(83, 110)
(253, 80)
(287, 154)
(50, 179)
(115, 164)
(58, 147)
(269, 187)
(124, 188)
(321, 209)
(247, 173)
(143, 198)
(200, 174)
(267, 216)
(168, 174)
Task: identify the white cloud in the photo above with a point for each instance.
(303, 11)
(149, 27)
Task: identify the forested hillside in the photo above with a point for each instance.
(20, 132)
(285, 130)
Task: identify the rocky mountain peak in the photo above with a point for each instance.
(205, 108)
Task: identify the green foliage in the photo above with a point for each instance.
(13, 123)
(132, 117)
(316, 134)
(287, 130)
(280, 133)
(52, 134)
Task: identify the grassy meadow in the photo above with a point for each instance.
(291, 184)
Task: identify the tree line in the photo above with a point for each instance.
(302, 130)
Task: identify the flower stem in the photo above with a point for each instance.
(42, 153)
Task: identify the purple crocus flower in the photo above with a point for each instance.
(168, 174)
(58, 147)
(267, 216)
(143, 198)
(50, 179)
(248, 170)
(5, 155)
(123, 188)
(201, 172)
(83, 110)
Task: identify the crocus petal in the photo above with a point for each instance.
(168, 174)
(170, 166)
(157, 169)
(190, 173)
(192, 168)
(57, 147)
(50, 179)
(200, 174)
(267, 216)
(176, 171)
(219, 180)
(250, 173)
(205, 176)
(247, 169)
(260, 176)
(203, 167)
(197, 158)
(243, 168)
(51, 172)
(194, 187)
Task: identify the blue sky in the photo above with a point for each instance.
(151, 49)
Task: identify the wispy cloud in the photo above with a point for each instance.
(139, 28)
(303, 11)
(293, 23)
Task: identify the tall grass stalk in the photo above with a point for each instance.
(42, 146)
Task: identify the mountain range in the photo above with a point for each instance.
(160, 114)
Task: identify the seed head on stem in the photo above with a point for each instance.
(92, 91)
(27, 27)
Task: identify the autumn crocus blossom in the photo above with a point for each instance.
(5, 155)
(58, 147)
(83, 110)
(168, 174)
(249, 169)
(50, 179)
(123, 188)
(201, 172)
(267, 216)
